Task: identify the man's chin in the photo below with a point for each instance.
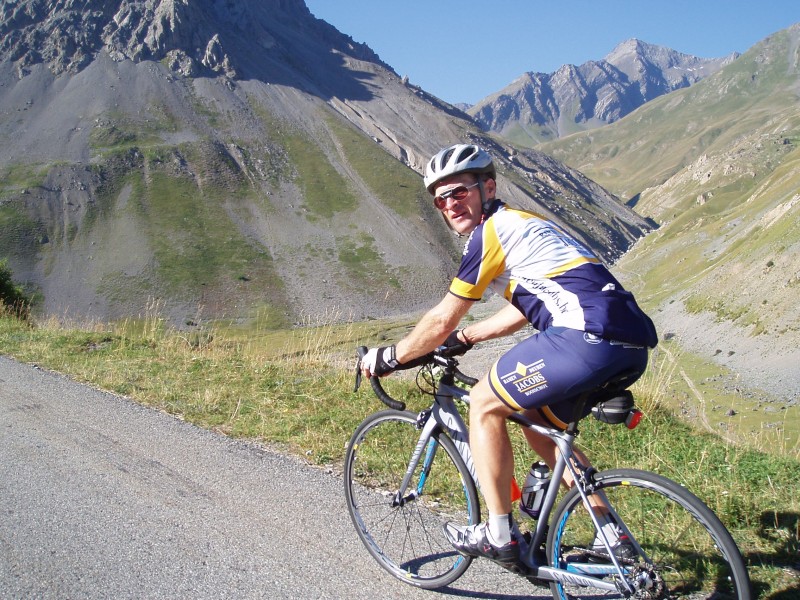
(463, 228)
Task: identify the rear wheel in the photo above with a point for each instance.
(687, 551)
(405, 535)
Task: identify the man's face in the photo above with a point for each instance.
(462, 208)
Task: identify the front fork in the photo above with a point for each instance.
(425, 450)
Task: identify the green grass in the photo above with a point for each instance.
(21, 234)
(114, 131)
(16, 177)
(188, 201)
(325, 191)
(399, 187)
(363, 264)
(293, 389)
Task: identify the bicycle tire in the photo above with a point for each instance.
(408, 540)
(691, 555)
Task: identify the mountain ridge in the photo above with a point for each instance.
(716, 165)
(539, 107)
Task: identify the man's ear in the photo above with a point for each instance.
(490, 187)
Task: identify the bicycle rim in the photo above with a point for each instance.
(690, 554)
(407, 538)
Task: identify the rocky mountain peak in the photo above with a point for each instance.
(634, 57)
(191, 36)
(540, 107)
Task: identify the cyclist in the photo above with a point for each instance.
(588, 330)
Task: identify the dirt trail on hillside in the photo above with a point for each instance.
(759, 362)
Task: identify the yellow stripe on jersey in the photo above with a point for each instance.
(500, 391)
(571, 265)
(465, 290)
(493, 264)
(494, 258)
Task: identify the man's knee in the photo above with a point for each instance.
(483, 400)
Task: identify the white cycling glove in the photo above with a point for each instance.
(380, 361)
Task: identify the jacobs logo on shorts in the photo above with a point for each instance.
(531, 384)
(526, 379)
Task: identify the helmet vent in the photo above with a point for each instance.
(446, 157)
(460, 158)
(465, 154)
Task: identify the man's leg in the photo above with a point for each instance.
(493, 458)
(547, 450)
(491, 447)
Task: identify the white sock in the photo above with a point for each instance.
(499, 529)
(611, 532)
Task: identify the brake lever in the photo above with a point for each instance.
(361, 351)
(358, 375)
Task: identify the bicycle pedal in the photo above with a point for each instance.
(519, 568)
(527, 572)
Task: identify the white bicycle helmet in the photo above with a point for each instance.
(460, 158)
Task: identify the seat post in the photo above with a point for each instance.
(580, 403)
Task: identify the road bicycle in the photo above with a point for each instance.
(406, 473)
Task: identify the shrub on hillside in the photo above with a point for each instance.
(12, 296)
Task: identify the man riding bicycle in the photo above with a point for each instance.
(589, 330)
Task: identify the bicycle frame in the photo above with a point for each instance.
(447, 418)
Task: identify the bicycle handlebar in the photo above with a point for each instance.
(376, 384)
(431, 358)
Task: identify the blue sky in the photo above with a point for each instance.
(464, 51)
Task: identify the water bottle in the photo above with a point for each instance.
(534, 489)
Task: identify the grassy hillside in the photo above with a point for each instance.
(184, 207)
(256, 384)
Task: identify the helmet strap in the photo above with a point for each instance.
(485, 202)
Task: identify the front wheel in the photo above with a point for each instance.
(686, 553)
(403, 532)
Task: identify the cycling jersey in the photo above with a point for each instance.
(550, 277)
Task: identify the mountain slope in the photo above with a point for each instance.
(209, 158)
(538, 107)
(716, 166)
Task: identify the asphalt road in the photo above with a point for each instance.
(103, 498)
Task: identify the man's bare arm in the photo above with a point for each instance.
(504, 322)
(433, 328)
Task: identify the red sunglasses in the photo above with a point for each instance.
(457, 193)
